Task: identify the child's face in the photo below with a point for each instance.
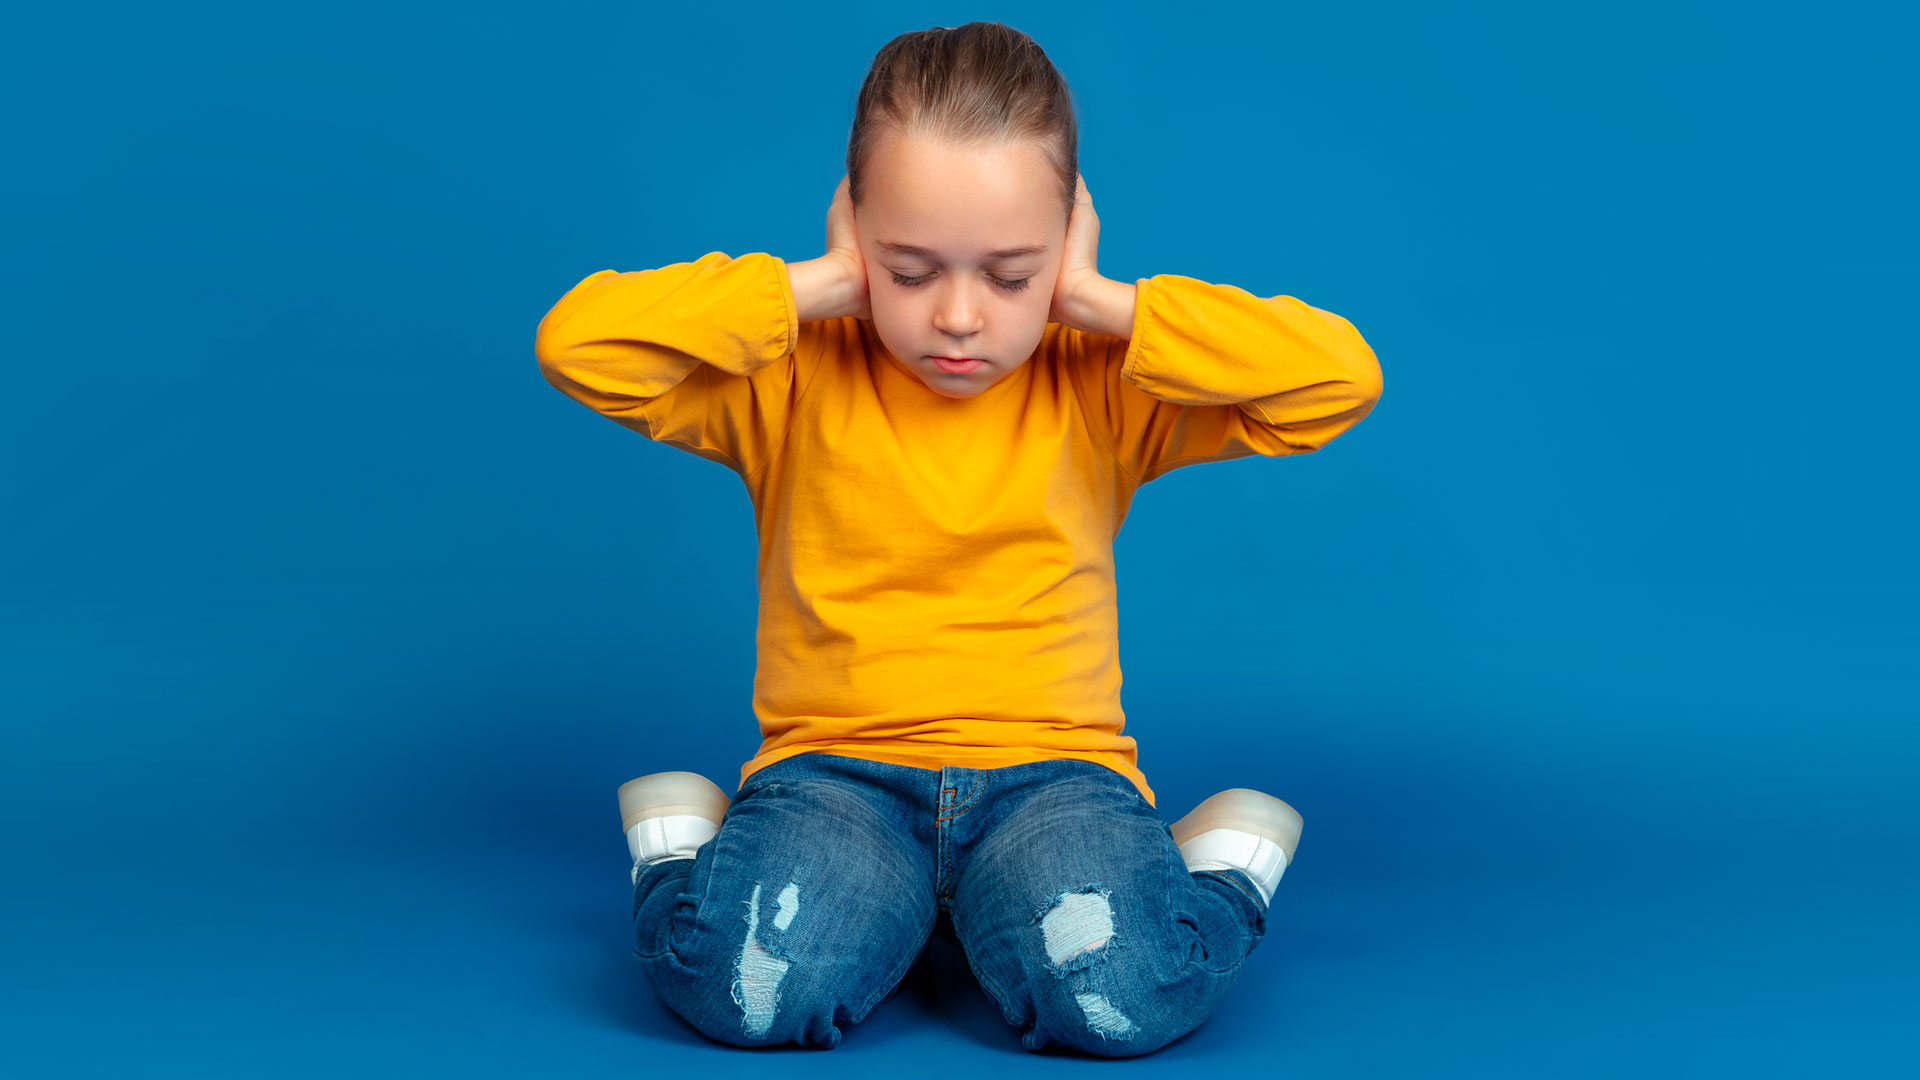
(961, 204)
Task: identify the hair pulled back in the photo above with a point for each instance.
(983, 82)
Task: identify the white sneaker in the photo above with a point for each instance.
(1241, 829)
(669, 815)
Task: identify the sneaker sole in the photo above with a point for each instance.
(1248, 811)
(663, 793)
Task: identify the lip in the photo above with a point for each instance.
(956, 366)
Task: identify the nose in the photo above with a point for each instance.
(958, 312)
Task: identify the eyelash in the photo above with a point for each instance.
(910, 282)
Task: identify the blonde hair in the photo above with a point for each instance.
(981, 82)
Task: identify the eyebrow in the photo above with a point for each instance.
(1003, 253)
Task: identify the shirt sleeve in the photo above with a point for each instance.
(701, 355)
(1213, 372)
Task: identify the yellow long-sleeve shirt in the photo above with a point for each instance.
(936, 574)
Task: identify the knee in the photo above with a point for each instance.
(770, 999)
(770, 981)
(761, 964)
(1098, 993)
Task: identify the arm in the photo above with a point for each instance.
(703, 355)
(1199, 372)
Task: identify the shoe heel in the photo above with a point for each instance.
(669, 815)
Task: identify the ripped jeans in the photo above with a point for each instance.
(1056, 879)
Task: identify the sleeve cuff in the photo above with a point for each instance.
(1135, 338)
(791, 308)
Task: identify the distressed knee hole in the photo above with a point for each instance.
(1103, 1019)
(1077, 928)
(756, 984)
(1074, 925)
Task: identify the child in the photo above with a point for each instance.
(941, 423)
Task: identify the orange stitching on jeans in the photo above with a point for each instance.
(956, 811)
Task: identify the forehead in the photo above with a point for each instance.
(979, 201)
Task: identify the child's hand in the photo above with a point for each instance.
(1077, 269)
(843, 245)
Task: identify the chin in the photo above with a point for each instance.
(947, 391)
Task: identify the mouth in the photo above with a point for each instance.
(958, 365)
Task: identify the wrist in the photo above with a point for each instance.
(822, 288)
(1102, 306)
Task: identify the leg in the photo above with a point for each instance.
(1078, 915)
(806, 910)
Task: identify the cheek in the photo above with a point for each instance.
(889, 308)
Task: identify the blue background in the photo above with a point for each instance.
(329, 628)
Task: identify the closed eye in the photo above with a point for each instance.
(1009, 286)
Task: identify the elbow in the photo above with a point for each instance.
(1366, 387)
(559, 364)
(1369, 384)
(549, 348)
(1355, 392)
(1351, 399)
(1303, 420)
(553, 340)
(1363, 368)
(1362, 375)
(1348, 357)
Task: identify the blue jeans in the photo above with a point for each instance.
(1056, 879)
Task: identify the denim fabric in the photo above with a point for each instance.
(1056, 879)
